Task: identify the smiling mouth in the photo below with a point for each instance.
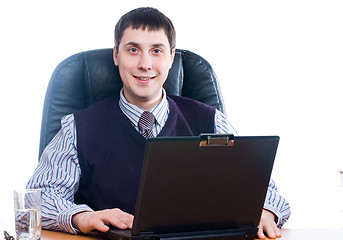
(144, 78)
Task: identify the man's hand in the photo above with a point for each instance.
(99, 220)
(268, 226)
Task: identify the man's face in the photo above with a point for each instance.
(144, 59)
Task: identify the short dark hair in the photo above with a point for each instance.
(143, 18)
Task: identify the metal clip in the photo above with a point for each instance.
(210, 140)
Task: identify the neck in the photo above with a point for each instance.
(148, 104)
(144, 103)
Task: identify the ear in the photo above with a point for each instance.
(115, 56)
(172, 57)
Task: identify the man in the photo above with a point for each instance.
(90, 178)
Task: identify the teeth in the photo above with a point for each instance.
(144, 78)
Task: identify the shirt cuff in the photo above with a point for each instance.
(65, 217)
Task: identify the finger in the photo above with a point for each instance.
(273, 231)
(120, 219)
(119, 224)
(99, 225)
(127, 219)
(277, 232)
(260, 234)
(270, 231)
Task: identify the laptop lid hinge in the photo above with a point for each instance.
(210, 140)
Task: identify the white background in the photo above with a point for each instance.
(279, 63)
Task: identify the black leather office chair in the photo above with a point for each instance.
(87, 77)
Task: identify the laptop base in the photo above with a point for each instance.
(115, 234)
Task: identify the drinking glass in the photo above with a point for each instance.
(28, 213)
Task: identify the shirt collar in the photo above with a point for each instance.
(133, 112)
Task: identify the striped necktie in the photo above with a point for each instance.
(145, 122)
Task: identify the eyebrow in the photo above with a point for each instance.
(137, 44)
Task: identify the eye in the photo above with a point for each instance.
(157, 51)
(133, 50)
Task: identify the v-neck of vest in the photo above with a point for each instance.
(133, 131)
(136, 135)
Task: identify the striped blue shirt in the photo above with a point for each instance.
(58, 171)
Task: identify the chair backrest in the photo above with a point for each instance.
(88, 77)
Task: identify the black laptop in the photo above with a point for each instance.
(207, 187)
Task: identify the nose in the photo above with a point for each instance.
(145, 62)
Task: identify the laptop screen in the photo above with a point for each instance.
(188, 187)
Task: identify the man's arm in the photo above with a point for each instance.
(57, 174)
(275, 213)
(277, 204)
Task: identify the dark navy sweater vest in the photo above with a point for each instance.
(111, 150)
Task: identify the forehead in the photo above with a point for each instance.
(144, 37)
